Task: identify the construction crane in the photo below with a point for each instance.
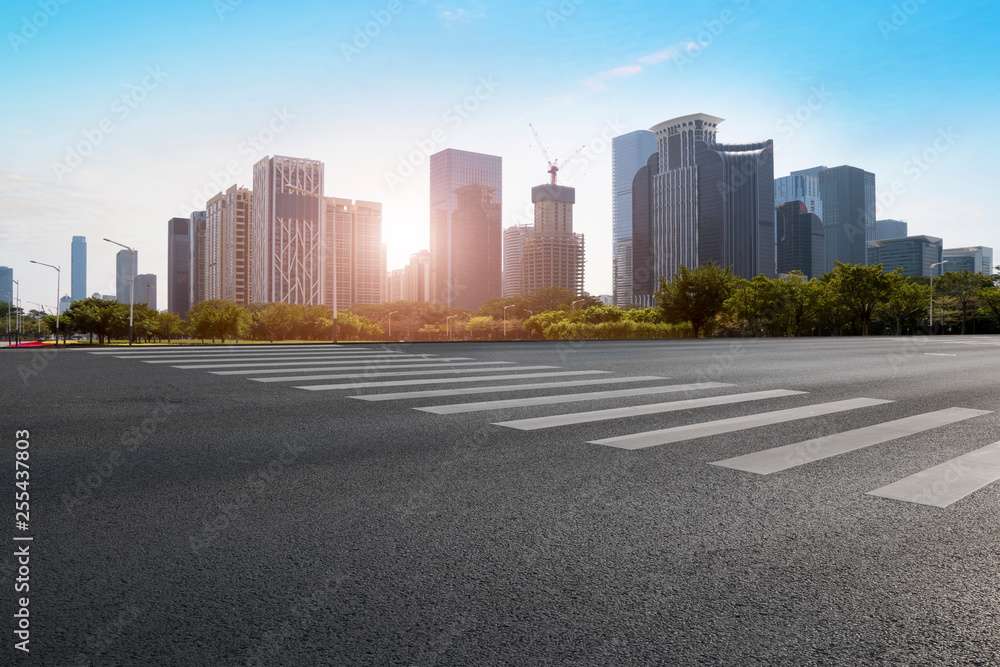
(553, 166)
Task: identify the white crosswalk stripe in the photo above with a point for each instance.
(456, 408)
(332, 358)
(266, 364)
(657, 408)
(462, 391)
(389, 373)
(218, 349)
(948, 482)
(485, 378)
(691, 431)
(776, 459)
(330, 366)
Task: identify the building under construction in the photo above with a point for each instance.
(552, 255)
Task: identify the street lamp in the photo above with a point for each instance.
(390, 322)
(505, 320)
(573, 305)
(38, 320)
(8, 316)
(932, 294)
(131, 287)
(448, 324)
(17, 314)
(58, 278)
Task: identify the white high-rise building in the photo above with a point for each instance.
(125, 273)
(286, 231)
(513, 257)
(974, 259)
(800, 186)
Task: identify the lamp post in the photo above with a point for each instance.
(131, 287)
(573, 305)
(932, 295)
(390, 322)
(8, 316)
(505, 320)
(447, 322)
(58, 278)
(17, 314)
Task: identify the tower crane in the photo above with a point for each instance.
(553, 166)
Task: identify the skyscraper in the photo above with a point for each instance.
(7, 291)
(712, 201)
(848, 195)
(513, 259)
(286, 231)
(801, 242)
(78, 289)
(552, 255)
(629, 153)
(199, 252)
(800, 186)
(641, 259)
(145, 290)
(890, 229)
(126, 271)
(179, 265)
(211, 267)
(237, 245)
(354, 233)
(465, 211)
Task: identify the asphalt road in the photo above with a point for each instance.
(185, 517)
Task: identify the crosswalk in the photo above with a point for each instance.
(381, 374)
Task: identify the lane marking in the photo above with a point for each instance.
(313, 363)
(536, 423)
(339, 366)
(435, 393)
(691, 431)
(457, 408)
(218, 349)
(297, 357)
(485, 378)
(393, 372)
(790, 456)
(949, 482)
(938, 354)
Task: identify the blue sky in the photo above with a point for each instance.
(176, 99)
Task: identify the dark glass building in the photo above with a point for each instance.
(644, 276)
(801, 240)
(848, 195)
(466, 235)
(179, 266)
(736, 206)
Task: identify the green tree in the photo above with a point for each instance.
(695, 295)
(277, 319)
(964, 287)
(907, 302)
(861, 289)
(168, 325)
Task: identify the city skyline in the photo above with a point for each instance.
(909, 101)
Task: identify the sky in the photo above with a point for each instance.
(116, 117)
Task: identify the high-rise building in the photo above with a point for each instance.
(145, 290)
(237, 245)
(65, 301)
(640, 259)
(125, 273)
(513, 259)
(418, 277)
(552, 255)
(629, 153)
(179, 265)
(890, 229)
(801, 242)
(211, 268)
(712, 201)
(7, 291)
(198, 259)
(227, 248)
(848, 195)
(800, 186)
(286, 232)
(78, 289)
(913, 254)
(353, 231)
(397, 285)
(974, 259)
(465, 210)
